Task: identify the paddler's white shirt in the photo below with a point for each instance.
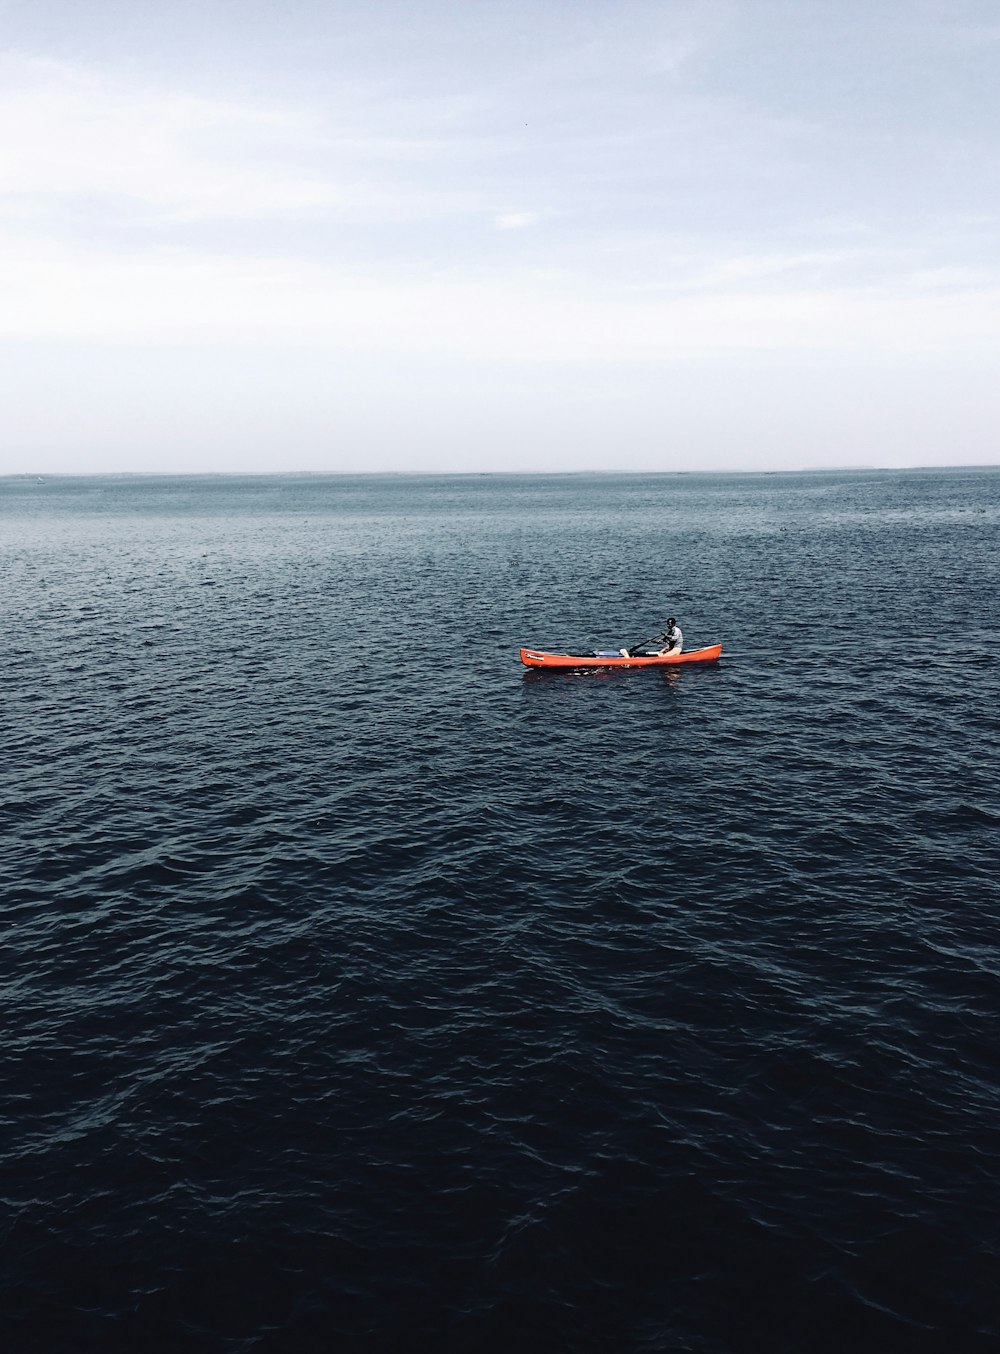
(674, 637)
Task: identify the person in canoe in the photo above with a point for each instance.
(669, 642)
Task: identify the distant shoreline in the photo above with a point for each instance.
(45, 475)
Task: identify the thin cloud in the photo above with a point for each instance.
(974, 35)
(60, 293)
(71, 135)
(516, 220)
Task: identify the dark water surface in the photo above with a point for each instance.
(364, 992)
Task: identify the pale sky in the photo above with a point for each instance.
(556, 235)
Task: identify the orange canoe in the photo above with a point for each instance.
(536, 658)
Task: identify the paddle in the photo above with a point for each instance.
(643, 642)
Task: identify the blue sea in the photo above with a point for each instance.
(365, 992)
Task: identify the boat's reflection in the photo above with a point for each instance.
(550, 676)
